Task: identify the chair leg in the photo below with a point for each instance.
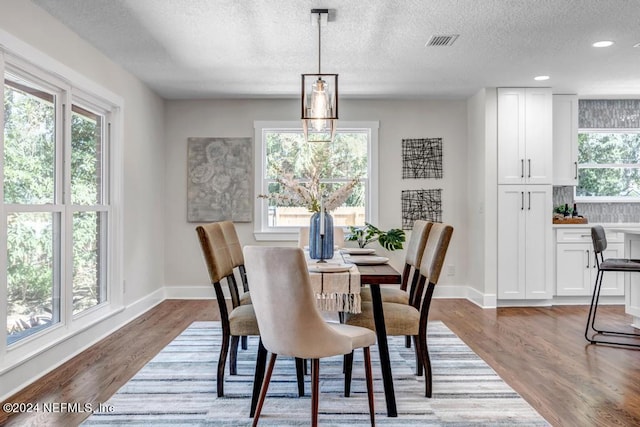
(222, 361)
(426, 362)
(244, 342)
(407, 341)
(265, 386)
(418, 352)
(348, 371)
(300, 375)
(261, 361)
(369, 376)
(315, 391)
(233, 355)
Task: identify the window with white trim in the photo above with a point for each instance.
(59, 236)
(282, 151)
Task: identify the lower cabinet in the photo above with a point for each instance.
(576, 267)
(525, 242)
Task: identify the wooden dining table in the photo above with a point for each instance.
(374, 276)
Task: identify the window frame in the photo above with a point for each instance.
(262, 230)
(73, 88)
(605, 199)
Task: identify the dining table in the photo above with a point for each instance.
(373, 275)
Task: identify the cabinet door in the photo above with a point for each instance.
(538, 242)
(511, 136)
(565, 139)
(511, 255)
(574, 262)
(538, 136)
(612, 283)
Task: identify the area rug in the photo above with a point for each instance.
(178, 388)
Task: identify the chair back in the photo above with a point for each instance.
(219, 262)
(415, 248)
(235, 250)
(435, 251)
(599, 239)
(285, 306)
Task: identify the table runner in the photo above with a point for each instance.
(336, 291)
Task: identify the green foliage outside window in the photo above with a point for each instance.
(609, 164)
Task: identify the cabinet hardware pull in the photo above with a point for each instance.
(529, 161)
(529, 193)
(522, 200)
(588, 258)
(521, 168)
(576, 165)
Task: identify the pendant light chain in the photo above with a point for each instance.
(319, 44)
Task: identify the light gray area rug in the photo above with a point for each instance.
(178, 388)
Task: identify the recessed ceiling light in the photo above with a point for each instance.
(540, 78)
(636, 45)
(603, 43)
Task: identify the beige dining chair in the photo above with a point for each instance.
(405, 319)
(415, 248)
(237, 261)
(241, 321)
(303, 237)
(279, 278)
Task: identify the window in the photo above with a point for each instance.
(281, 150)
(57, 209)
(609, 163)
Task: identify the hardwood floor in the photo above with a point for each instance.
(540, 352)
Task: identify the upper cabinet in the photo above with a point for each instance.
(525, 136)
(565, 140)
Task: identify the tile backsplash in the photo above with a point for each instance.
(598, 212)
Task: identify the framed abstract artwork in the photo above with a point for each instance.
(422, 158)
(220, 173)
(421, 204)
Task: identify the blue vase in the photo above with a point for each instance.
(321, 248)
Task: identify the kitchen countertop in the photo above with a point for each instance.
(620, 225)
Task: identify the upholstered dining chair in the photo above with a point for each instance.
(303, 236)
(279, 278)
(237, 261)
(241, 321)
(406, 319)
(415, 248)
(599, 240)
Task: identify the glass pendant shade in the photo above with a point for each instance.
(319, 106)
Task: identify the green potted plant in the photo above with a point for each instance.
(390, 240)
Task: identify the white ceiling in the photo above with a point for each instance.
(252, 48)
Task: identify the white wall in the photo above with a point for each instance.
(482, 202)
(184, 268)
(143, 216)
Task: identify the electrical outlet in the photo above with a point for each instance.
(451, 270)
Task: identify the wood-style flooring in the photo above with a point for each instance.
(540, 352)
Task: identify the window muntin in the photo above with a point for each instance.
(334, 164)
(609, 164)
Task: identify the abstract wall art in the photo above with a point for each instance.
(220, 173)
(421, 204)
(422, 158)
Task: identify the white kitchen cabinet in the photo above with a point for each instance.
(565, 139)
(525, 135)
(576, 267)
(525, 242)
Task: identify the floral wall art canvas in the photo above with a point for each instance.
(220, 172)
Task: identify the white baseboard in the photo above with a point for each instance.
(20, 376)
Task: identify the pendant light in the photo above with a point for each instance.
(319, 95)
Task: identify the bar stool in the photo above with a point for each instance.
(611, 264)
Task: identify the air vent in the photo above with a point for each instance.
(442, 40)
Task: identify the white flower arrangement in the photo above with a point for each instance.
(309, 194)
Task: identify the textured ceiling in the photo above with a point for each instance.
(251, 48)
